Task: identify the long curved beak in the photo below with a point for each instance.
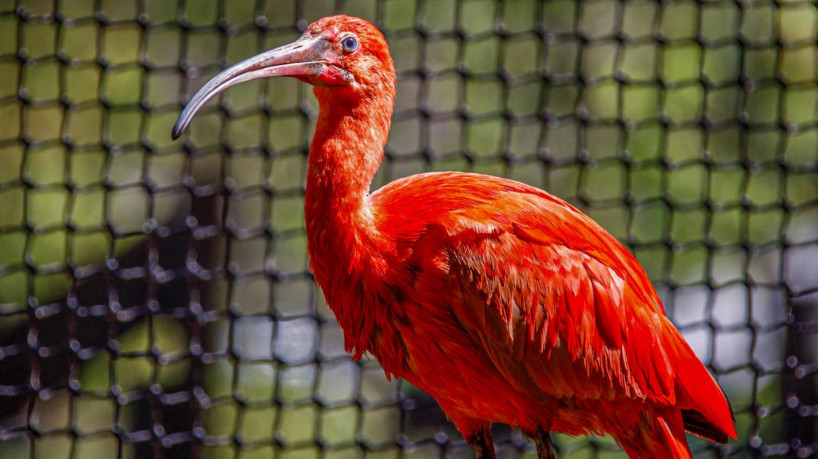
(302, 58)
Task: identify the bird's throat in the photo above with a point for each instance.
(344, 243)
(345, 155)
(346, 151)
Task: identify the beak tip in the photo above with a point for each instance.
(177, 131)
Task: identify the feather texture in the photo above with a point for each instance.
(502, 301)
(529, 293)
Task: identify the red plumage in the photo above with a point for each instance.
(502, 301)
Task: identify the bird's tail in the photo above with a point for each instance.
(659, 433)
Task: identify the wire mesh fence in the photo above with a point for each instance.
(155, 298)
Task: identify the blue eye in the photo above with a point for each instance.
(350, 44)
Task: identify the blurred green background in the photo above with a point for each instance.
(154, 295)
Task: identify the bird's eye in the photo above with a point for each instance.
(350, 44)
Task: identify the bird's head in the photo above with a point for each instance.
(342, 56)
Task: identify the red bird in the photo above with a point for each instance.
(502, 301)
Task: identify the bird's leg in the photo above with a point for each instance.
(482, 443)
(545, 447)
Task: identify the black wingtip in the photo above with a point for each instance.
(698, 425)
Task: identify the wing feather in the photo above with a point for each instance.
(535, 294)
(559, 305)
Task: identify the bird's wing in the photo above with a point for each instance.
(557, 302)
(543, 283)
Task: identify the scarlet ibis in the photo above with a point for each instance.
(502, 301)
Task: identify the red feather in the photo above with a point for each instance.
(502, 301)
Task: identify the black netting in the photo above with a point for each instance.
(154, 295)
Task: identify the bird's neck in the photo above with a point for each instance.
(346, 151)
(343, 240)
(345, 247)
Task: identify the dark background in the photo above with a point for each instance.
(154, 295)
